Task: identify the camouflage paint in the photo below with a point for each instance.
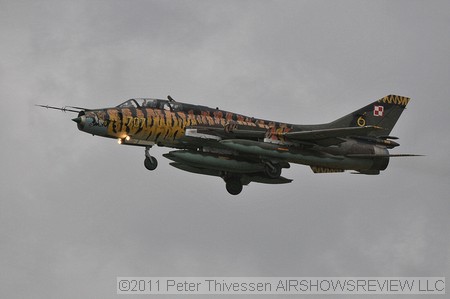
(168, 127)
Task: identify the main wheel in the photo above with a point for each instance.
(273, 171)
(150, 163)
(234, 186)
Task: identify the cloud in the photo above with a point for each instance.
(77, 211)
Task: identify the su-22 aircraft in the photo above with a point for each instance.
(242, 149)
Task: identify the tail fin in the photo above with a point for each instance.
(383, 113)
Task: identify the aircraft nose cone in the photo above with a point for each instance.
(77, 120)
(80, 120)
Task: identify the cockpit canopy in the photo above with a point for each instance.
(164, 105)
(150, 103)
(138, 103)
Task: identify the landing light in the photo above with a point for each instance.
(122, 140)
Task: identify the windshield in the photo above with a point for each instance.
(129, 104)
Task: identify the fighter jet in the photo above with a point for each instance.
(242, 149)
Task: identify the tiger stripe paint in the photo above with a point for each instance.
(167, 127)
(394, 99)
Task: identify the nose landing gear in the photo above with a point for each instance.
(272, 170)
(150, 162)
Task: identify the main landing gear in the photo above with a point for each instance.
(150, 162)
(233, 181)
(233, 185)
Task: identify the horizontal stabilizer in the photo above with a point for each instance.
(383, 156)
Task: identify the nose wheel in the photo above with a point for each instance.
(150, 162)
(272, 170)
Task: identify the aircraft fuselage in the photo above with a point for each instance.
(242, 149)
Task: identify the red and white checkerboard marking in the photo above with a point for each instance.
(378, 111)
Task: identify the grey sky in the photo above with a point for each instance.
(77, 211)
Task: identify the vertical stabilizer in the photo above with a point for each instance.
(383, 113)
